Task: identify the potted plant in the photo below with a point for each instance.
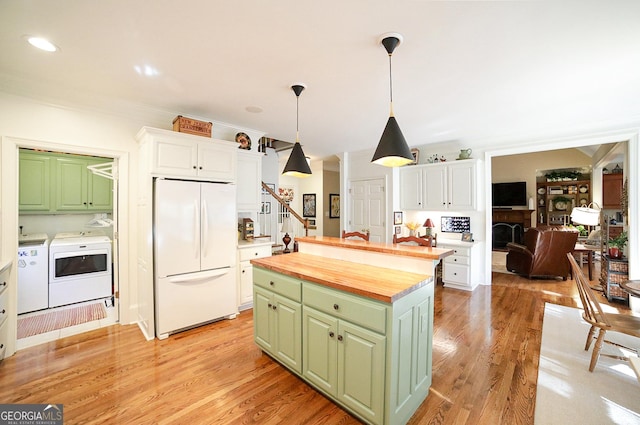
(616, 245)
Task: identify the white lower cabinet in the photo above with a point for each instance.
(462, 269)
(371, 357)
(246, 253)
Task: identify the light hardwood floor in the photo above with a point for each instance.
(485, 362)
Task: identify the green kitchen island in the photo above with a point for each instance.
(359, 333)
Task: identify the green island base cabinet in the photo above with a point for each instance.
(372, 357)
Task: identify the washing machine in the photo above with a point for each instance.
(33, 272)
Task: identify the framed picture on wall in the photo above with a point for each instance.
(397, 229)
(309, 205)
(334, 205)
(397, 217)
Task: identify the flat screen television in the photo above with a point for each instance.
(511, 194)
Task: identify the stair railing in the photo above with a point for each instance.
(303, 221)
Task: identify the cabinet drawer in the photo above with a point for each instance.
(283, 285)
(253, 252)
(456, 273)
(458, 250)
(457, 259)
(4, 280)
(4, 330)
(4, 307)
(345, 306)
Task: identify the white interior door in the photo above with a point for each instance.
(367, 209)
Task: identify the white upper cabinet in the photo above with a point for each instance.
(443, 186)
(175, 154)
(249, 181)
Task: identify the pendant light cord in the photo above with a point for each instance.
(390, 89)
(297, 118)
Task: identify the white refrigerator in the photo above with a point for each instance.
(195, 240)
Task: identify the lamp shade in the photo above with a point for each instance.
(297, 165)
(586, 216)
(392, 150)
(428, 224)
(286, 225)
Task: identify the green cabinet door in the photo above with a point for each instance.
(319, 340)
(346, 361)
(277, 323)
(78, 189)
(361, 371)
(99, 191)
(71, 184)
(34, 182)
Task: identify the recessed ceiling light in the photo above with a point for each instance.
(42, 44)
(253, 109)
(146, 70)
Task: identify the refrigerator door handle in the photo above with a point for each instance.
(205, 228)
(198, 276)
(196, 228)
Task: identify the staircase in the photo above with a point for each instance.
(274, 212)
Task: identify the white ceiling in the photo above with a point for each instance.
(468, 72)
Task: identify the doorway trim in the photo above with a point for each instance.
(631, 136)
(9, 160)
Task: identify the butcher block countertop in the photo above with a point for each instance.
(387, 285)
(423, 252)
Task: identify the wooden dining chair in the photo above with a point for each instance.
(599, 320)
(360, 235)
(420, 240)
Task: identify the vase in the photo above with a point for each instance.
(614, 252)
(412, 232)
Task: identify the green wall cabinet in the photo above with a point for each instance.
(52, 183)
(371, 357)
(34, 193)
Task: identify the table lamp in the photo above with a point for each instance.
(587, 216)
(286, 228)
(428, 225)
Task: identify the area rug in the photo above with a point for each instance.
(567, 393)
(499, 262)
(54, 320)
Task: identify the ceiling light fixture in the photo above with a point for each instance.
(42, 44)
(297, 165)
(392, 150)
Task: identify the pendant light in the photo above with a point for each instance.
(297, 165)
(392, 150)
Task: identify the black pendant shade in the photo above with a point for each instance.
(392, 150)
(297, 165)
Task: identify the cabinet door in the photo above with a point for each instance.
(361, 358)
(246, 283)
(461, 187)
(248, 183)
(611, 191)
(71, 184)
(99, 190)
(35, 175)
(175, 157)
(435, 187)
(262, 322)
(320, 350)
(216, 162)
(288, 332)
(411, 188)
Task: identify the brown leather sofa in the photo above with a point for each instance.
(543, 254)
